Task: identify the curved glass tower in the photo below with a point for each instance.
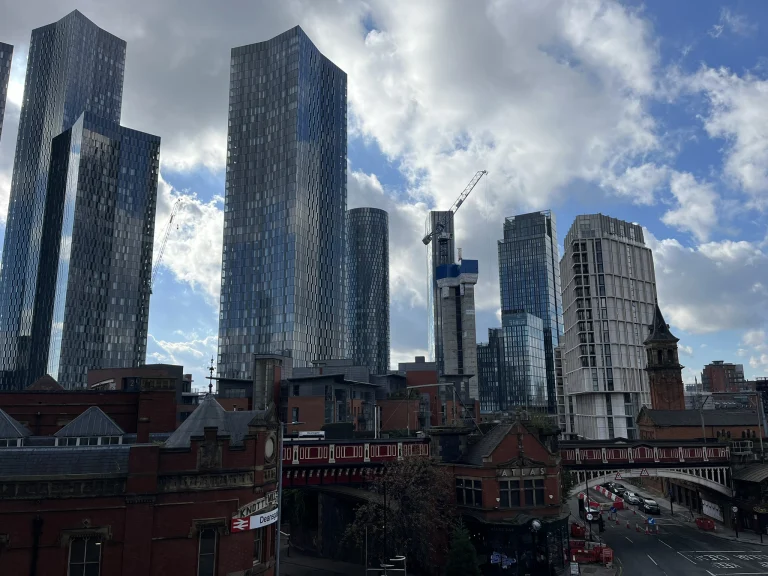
(73, 67)
(368, 288)
(282, 277)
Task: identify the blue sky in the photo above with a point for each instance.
(654, 112)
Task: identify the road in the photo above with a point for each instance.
(679, 549)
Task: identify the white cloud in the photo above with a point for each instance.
(738, 113)
(708, 288)
(696, 206)
(190, 152)
(735, 23)
(685, 350)
(638, 183)
(194, 247)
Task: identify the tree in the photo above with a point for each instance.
(418, 518)
(462, 559)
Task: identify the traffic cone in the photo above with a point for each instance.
(646, 529)
(617, 518)
(637, 526)
(657, 529)
(628, 526)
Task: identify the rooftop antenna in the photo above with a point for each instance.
(210, 378)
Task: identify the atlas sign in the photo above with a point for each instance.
(513, 472)
(256, 521)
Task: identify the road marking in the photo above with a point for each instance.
(654, 561)
(686, 557)
(629, 540)
(665, 544)
(710, 573)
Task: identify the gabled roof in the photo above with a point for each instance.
(46, 383)
(57, 461)
(210, 414)
(92, 422)
(10, 428)
(659, 329)
(484, 447)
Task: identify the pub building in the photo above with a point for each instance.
(92, 499)
(508, 493)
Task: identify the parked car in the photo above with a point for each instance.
(607, 486)
(651, 506)
(631, 498)
(640, 500)
(618, 489)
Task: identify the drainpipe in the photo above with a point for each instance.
(37, 529)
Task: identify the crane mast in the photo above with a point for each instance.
(440, 226)
(161, 251)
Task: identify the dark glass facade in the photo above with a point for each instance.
(6, 55)
(489, 356)
(523, 364)
(368, 288)
(99, 235)
(529, 278)
(282, 278)
(73, 67)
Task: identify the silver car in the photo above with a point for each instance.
(631, 498)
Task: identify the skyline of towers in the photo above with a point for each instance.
(368, 288)
(283, 264)
(609, 300)
(79, 230)
(6, 56)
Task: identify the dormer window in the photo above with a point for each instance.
(89, 441)
(10, 442)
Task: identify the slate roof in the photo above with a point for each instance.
(210, 414)
(486, 445)
(754, 473)
(10, 428)
(693, 417)
(659, 329)
(92, 422)
(71, 461)
(45, 383)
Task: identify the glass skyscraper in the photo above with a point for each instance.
(529, 278)
(73, 67)
(368, 288)
(489, 356)
(523, 363)
(6, 55)
(100, 216)
(283, 273)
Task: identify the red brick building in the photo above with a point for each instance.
(505, 481)
(95, 500)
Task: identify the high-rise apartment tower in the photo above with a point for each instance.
(73, 67)
(283, 273)
(6, 55)
(529, 281)
(440, 252)
(368, 288)
(609, 295)
(100, 222)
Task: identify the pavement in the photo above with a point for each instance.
(298, 564)
(680, 548)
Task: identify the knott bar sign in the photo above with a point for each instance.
(519, 472)
(267, 502)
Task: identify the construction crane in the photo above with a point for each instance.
(156, 265)
(440, 226)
